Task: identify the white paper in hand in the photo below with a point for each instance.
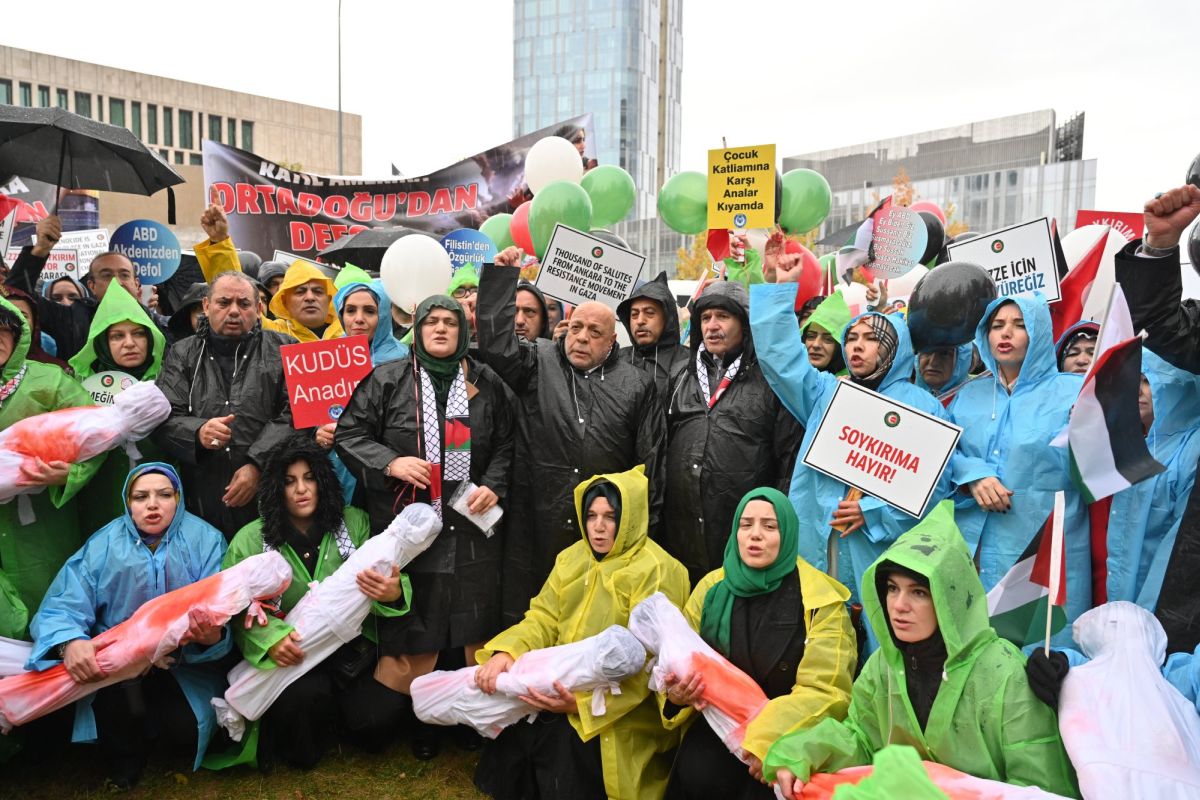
(486, 521)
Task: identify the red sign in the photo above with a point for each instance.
(321, 376)
(1127, 223)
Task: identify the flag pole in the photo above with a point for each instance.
(1056, 545)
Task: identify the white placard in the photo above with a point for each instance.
(887, 449)
(579, 267)
(287, 258)
(72, 254)
(1020, 259)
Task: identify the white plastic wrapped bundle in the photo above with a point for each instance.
(74, 435)
(155, 630)
(597, 664)
(13, 655)
(330, 615)
(1129, 733)
(734, 699)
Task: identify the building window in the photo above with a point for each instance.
(168, 126)
(135, 118)
(247, 135)
(83, 104)
(195, 159)
(116, 112)
(231, 129)
(152, 123)
(185, 129)
(43, 97)
(214, 127)
(26, 95)
(6, 93)
(64, 101)
(100, 108)
(166, 154)
(178, 157)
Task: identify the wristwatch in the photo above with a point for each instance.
(61, 651)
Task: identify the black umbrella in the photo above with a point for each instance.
(364, 249)
(74, 152)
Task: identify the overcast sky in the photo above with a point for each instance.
(433, 80)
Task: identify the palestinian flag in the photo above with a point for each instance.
(1018, 604)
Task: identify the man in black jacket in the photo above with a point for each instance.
(651, 317)
(1149, 273)
(229, 405)
(727, 432)
(582, 412)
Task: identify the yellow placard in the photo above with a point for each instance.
(741, 187)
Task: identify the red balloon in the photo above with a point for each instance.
(519, 228)
(931, 207)
(811, 275)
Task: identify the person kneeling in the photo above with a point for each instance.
(783, 623)
(941, 681)
(154, 548)
(569, 751)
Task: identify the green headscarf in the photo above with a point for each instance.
(743, 581)
(441, 370)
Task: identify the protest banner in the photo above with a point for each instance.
(271, 207)
(288, 258)
(152, 248)
(1019, 258)
(741, 187)
(898, 239)
(468, 246)
(884, 448)
(7, 224)
(579, 267)
(72, 256)
(1127, 223)
(105, 386)
(322, 375)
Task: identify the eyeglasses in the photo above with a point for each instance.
(463, 292)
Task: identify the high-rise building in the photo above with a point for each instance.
(619, 60)
(995, 173)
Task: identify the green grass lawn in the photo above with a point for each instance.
(344, 772)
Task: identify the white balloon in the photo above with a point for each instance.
(414, 267)
(552, 159)
(904, 285)
(1077, 244)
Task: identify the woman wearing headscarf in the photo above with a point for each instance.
(416, 429)
(154, 547)
(569, 751)
(780, 621)
(304, 520)
(1006, 461)
(941, 681)
(819, 330)
(65, 291)
(39, 342)
(879, 356)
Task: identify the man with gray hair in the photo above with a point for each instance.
(229, 404)
(582, 411)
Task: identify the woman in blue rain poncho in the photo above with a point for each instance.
(1006, 465)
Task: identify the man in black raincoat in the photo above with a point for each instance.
(727, 432)
(651, 317)
(532, 317)
(582, 412)
(229, 404)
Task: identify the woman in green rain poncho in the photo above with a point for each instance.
(941, 681)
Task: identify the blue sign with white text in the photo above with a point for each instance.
(151, 246)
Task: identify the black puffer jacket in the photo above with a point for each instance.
(1152, 288)
(715, 456)
(570, 426)
(661, 359)
(193, 381)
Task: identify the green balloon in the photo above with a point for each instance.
(495, 228)
(612, 191)
(683, 203)
(806, 200)
(558, 202)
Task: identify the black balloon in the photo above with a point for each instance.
(778, 195)
(937, 235)
(1193, 174)
(962, 237)
(610, 237)
(947, 304)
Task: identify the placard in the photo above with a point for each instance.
(1129, 224)
(887, 449)
(579, 267)
(898, 241)
(741, 187)
(322, 375)
(1020, 259)
(71, 256)
(151, 246)
(469, 246)
(105, 386)
(288, 258)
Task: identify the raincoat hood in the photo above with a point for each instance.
(633, 527)
(660, 292)
(269, 270)
(20, 344)
(1060, 347)
(1039, 358)
(350, 274)
(118, 306)
(464, 276)
(526, 286)
(730, 296)
(385, 346)
(298, 274)
(150, 467)
(903, 361)
(962, 368)
(180, 322)
(833, 315)
(934, 548)
(1176, 395)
